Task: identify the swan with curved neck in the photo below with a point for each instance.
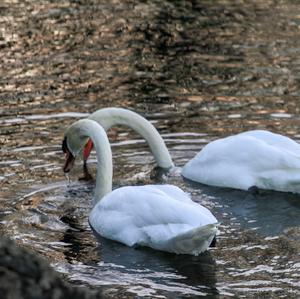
(75, 137)
(250, 159)
(162, 217)
(109, 117)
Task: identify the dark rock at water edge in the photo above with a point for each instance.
(25, 275)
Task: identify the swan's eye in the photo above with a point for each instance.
(64, 146)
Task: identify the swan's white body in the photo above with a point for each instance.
(254, 158)
(162, 217)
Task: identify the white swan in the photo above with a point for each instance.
(108, 117)
(254, 158)
(162, 217)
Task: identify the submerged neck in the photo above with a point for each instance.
(104, 158)
(109, 117)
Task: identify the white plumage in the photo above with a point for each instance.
(162, 217)
(254, 158)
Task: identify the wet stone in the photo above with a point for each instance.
(24, 275)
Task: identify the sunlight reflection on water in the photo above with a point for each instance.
(198, 71)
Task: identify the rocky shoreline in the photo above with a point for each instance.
(25, 275)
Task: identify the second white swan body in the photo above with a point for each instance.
(162, 217)
(254, 158)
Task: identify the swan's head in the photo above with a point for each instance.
(75, 141)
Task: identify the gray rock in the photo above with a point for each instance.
(25, 275)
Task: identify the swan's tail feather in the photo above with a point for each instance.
(194, 241)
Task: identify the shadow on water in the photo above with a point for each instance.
(268, 212)
(197, 272)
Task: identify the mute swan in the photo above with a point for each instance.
(108, 117)
(251, 159)
(255, 158)
(162, 217)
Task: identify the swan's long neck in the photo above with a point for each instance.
(104, 158)
(109, 117)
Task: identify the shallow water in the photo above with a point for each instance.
(198, 72)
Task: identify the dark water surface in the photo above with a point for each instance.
(199, 70)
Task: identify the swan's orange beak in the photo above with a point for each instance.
(69, 158)
(87, 149)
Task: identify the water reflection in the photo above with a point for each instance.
(268, 212)
(143, 271)
(52, 218)
(188, 272)
(199, 71)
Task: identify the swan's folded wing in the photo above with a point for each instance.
(146, 215)
(193, 241)
(279, 141)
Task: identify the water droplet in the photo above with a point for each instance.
(68, 179)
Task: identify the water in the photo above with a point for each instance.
(198, 72)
